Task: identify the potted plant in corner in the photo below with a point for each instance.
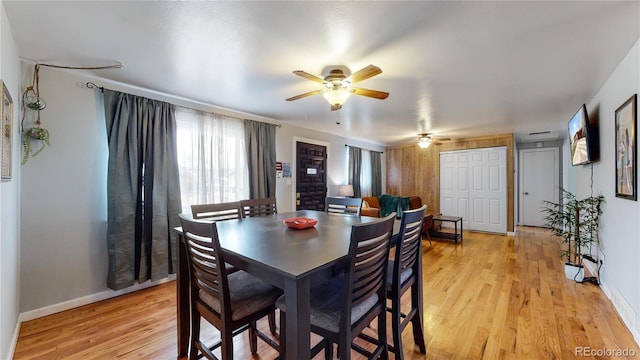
(577, 222)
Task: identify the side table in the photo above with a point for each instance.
(440, 232)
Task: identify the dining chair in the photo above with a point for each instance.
(221, 212)
(343, 205)
(259, 207)
(218, 211)
(230, 302)
(403, 273)
(344, 306)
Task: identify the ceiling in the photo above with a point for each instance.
(457, 69)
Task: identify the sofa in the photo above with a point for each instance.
(371, 205)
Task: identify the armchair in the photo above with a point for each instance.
(370, 206)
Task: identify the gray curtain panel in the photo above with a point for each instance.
(143, 189)
(260, 140)
(355, 166)
(376, 173)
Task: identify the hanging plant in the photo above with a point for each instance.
(31, 135)
(31, 100)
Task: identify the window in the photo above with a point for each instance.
(365, 174)
(363, 170)
(211, 158)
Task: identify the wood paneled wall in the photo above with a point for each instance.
(415, 171)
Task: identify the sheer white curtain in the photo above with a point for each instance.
(365, 174)
(211, 157)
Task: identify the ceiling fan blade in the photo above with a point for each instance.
(308, 76)
(364, 73)
(441, 139)
(370, 93)
(314, 92)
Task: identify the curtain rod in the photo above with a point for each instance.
(91, 85)
(347, 145)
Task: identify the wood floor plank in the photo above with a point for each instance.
(491, 297)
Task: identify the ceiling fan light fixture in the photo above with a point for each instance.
(424, 142)
(336, 97)
(337, 86)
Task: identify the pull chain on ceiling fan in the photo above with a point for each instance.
(337, 86)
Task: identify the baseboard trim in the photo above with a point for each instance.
(14, 341)
(73, 303)
(624, 310)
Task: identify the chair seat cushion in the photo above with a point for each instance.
(247, 294)
(326, 302)
(404, 276)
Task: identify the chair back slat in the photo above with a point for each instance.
(367, 277)
(206, 262)
(259, 207)
(368, 254)
(340, 205)
(217, 212)
(409, 246)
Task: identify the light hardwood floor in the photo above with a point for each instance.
(492, 297)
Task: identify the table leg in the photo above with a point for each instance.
(182, 300)
(455, 231)
(298, 330)
(417, 303)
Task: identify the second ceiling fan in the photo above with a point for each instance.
(426, 139)
(338, 87)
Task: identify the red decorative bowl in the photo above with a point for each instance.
(300, 223)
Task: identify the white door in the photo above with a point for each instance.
(539, 176)
(488, 190)
(454, 184)
(473, 185)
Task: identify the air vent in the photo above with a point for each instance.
(535, 136)
(539, 133)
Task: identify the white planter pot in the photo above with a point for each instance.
(574, 272)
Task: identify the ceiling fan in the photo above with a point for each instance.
(426, 139)
(337, 86)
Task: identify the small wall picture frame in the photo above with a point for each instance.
(625, 122)
(6, 117)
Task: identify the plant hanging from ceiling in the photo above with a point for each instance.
(36, 138)
(36, 134)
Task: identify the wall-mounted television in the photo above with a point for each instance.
(580, 138)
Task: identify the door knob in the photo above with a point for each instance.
(526, 193)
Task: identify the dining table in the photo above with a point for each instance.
(290, 259)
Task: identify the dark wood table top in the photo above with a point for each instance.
(290, 252)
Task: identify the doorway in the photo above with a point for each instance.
(539, 178)
(311, 176)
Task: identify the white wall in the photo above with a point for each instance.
(64, 197)
(620, 232)
(10, 200)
